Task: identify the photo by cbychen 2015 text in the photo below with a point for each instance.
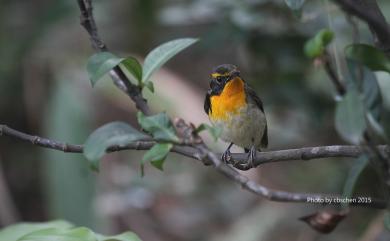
(339, 200)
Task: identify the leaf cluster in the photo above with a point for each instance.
(58, 230)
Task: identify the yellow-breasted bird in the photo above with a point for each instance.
(234, 106)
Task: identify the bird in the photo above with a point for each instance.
(232, 105)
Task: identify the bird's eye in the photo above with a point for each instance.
(219, 80)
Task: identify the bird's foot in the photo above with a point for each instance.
(251, 157)
(226, 156)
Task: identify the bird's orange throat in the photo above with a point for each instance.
(229, 101)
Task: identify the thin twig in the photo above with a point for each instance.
(333, 75)
(88, 22)
(120, 79)
(39, 141)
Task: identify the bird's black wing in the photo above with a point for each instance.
(249, 91)
(207, 104)
(254, 97)
(264, 139)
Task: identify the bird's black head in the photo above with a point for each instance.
(221, 75)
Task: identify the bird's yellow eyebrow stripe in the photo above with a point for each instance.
(215, 75)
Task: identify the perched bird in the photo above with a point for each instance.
(235, 107)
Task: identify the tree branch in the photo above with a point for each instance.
(332, 74)
(369, 11)
(305, 153)
(240, 159)
(201, 152)
(119, 78)
(39, 141)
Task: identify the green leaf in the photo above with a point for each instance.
(57, 231)
(111, 134)
(365, 80)
(75, 234)
(295, 4)
(160, 55)
(67, 180)
(134, 67)
(368, 55)
(159, 126)
(101, 63)
(315, 46)
(149, 85)
(350, 117)
(127, 236)
(157, 154)
(215, 131)
(16, 231)
(353, 176)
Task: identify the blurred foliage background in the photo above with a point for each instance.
(44, 90)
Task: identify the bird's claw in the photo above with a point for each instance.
(226, 157)
(251, 157)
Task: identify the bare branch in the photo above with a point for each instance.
(39, 141)
(332, 74)
(306, 153)
(369, 11)
(88, 22)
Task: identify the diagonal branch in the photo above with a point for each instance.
(333, 75)
(369, 11)
(119, 78)
(88, 22)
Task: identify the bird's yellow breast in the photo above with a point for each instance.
(229, 101)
